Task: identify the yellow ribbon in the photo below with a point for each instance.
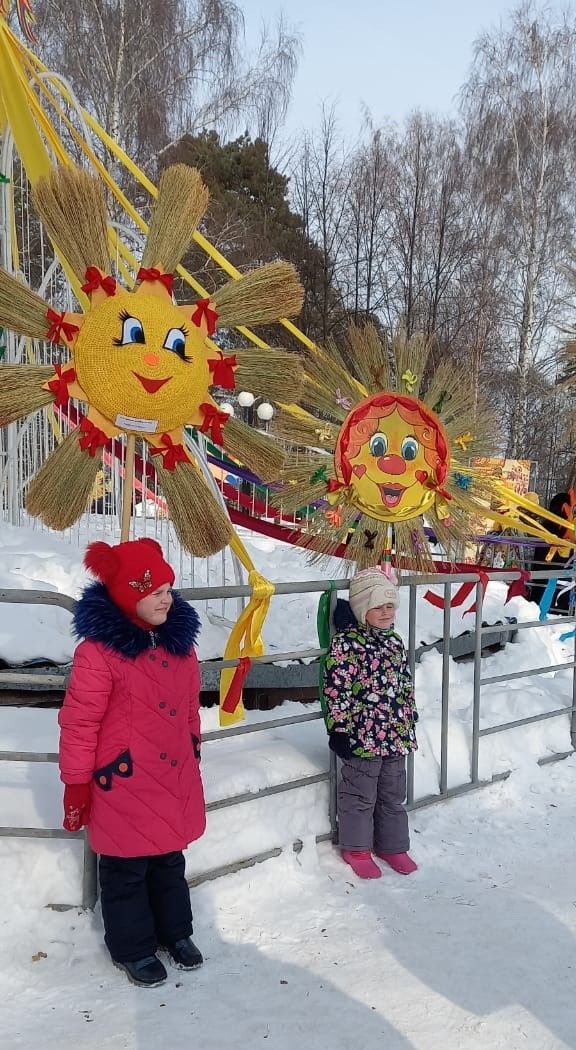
(515, 500)
(245, 637)
(409, 380)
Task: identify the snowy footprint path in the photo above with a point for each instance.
(475, 951)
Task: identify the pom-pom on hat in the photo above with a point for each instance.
(372, 588)
(129, 571)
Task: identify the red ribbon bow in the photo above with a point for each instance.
(59, 385)
(223, 371)
(59, 327)
(335, 486)
(95, 279)
(204, 310)
(93, 439)
(234, 694)
(171, 453)
(152, 274)
(213, 422)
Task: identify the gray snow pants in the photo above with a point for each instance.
(371, 814)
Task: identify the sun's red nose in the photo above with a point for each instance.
(392, 465)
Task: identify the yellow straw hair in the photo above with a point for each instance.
(260, 296)
(21, 309)
(21, 390)
(273, 373)
(72, 206)
(60, 493)
(256, 451)
(199, 521)
(305, 430)
(181, 202)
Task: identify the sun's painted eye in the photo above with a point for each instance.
(409, 448)
(378, 445)
(132, 330)
(176, 341)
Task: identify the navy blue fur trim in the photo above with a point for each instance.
(98, 618)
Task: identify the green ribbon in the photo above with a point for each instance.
(319, 475)
(4, 180)
(444, 396)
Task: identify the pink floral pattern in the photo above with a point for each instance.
(368, 692)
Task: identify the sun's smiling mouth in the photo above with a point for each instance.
(151, 386)
(392, 494)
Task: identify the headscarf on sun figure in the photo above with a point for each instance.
(141, 363)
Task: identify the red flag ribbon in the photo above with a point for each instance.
(213, 422)
(59, 327)
(223, 371)
(93, 438)
(517, 589)
(461, 595)
(171, 453)
(95, 279)
(152, 274)
(232, 698)
(59, 385)
(204, 310)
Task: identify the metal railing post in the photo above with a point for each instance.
(333, 782)
(89, 876)
(445, 690)
(477, 685)
(573, 716)
(412, 665)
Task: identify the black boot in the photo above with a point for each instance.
(184, 954)
(147, 973)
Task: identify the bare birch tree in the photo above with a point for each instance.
(150, 70)
(520, 109)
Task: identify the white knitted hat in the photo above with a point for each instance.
(371, 588)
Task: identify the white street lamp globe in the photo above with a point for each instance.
(246, 399)
(227, 408)
(265, 412)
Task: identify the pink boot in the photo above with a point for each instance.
(361, 863)
(400, 862)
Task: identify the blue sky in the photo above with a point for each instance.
(390, 56)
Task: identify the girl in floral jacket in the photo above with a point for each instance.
(371, 716)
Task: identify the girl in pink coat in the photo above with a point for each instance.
(130, 752)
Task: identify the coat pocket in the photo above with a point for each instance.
(120, 767)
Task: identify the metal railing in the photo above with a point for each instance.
(89, 881)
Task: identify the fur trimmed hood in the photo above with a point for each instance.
(97, 618)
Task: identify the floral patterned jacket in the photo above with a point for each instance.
(368, 696)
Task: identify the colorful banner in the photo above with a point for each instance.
(515, 473)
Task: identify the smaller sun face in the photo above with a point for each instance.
(391, 453)
(136, 357)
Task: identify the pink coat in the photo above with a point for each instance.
(128, 725)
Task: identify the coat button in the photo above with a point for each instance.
(164, 663)
(163, 754)
(151, 657)
(174, 762)
(162, 705)
(173, 711)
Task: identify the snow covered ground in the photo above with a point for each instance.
(474, 952)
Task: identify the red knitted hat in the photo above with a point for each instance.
(129, 571)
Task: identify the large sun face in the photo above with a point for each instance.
(391, 453)
(138, 359)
